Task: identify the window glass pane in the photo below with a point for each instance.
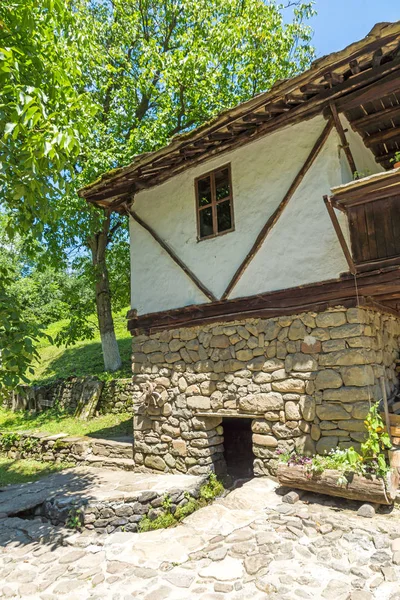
(206, 222)
(222, 184)
(224, 217)
(204, 191)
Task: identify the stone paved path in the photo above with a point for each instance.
(248, 545)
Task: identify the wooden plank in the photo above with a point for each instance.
(386, 407)
(172, 254)
(396, 222)
(361, 233)
(343, 139)
(388, 216)
(273, 219)
(374, 489)
(339, 234)
(370, 223)
(379, 218)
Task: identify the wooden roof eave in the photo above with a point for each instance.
(153, 168)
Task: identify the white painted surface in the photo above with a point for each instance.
(302, 248)
(363, 156)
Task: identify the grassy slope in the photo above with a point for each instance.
(25, 470)
(84, 358)
(53, 421)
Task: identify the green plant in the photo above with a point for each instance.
(396, 158)
(212, 488)
(372, 460)
(30, 444)
(167, 503)
(208, 491)
(378, 442)
(161, 522)
(361, 174)
(8, 440)
(74, 520)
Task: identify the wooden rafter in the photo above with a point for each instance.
(273, 219)
(342, 136)
(171, 253)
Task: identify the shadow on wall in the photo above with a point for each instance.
(84, 359)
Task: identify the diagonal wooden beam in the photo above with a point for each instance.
(273, 219)
(343, 139)
(340, 235)
(171, 253)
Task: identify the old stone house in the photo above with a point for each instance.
(265, 279)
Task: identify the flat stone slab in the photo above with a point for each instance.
(91, 486)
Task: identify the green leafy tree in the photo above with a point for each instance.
(157, 68)
(44, 113)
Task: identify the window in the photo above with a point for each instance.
(214, 204)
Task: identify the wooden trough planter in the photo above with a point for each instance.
(374, 490)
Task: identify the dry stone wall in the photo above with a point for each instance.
(113, 396)
(305, 381)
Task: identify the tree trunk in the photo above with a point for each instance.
(98, 245)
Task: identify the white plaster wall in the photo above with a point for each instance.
(363, 156)
(302, 248)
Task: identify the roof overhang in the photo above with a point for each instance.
(362, 80)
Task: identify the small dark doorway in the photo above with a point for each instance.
(238, 447)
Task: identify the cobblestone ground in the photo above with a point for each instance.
(248, 545)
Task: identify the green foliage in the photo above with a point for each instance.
(396, 158)
(8, 440)
(30, 444)
(211, 489)
(361, 174)
(374, 449)
(371, 462)
(26, 470)
(208, 491)
(74, 520)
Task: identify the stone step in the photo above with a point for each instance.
(106, 462)
(117, 448)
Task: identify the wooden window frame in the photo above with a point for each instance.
(214, 202)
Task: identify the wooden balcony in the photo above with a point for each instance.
(372, 205)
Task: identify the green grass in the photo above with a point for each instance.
(25, 470)
(53, 421)
(84, 358)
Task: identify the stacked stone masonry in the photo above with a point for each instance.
(73, 450)
(115, 396)
(306, 381)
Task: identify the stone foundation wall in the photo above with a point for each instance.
(306, 382)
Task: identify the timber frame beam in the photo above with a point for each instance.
(374, 285)
(339, 233)
(171, 253)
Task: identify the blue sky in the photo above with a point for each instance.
(341, 22)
